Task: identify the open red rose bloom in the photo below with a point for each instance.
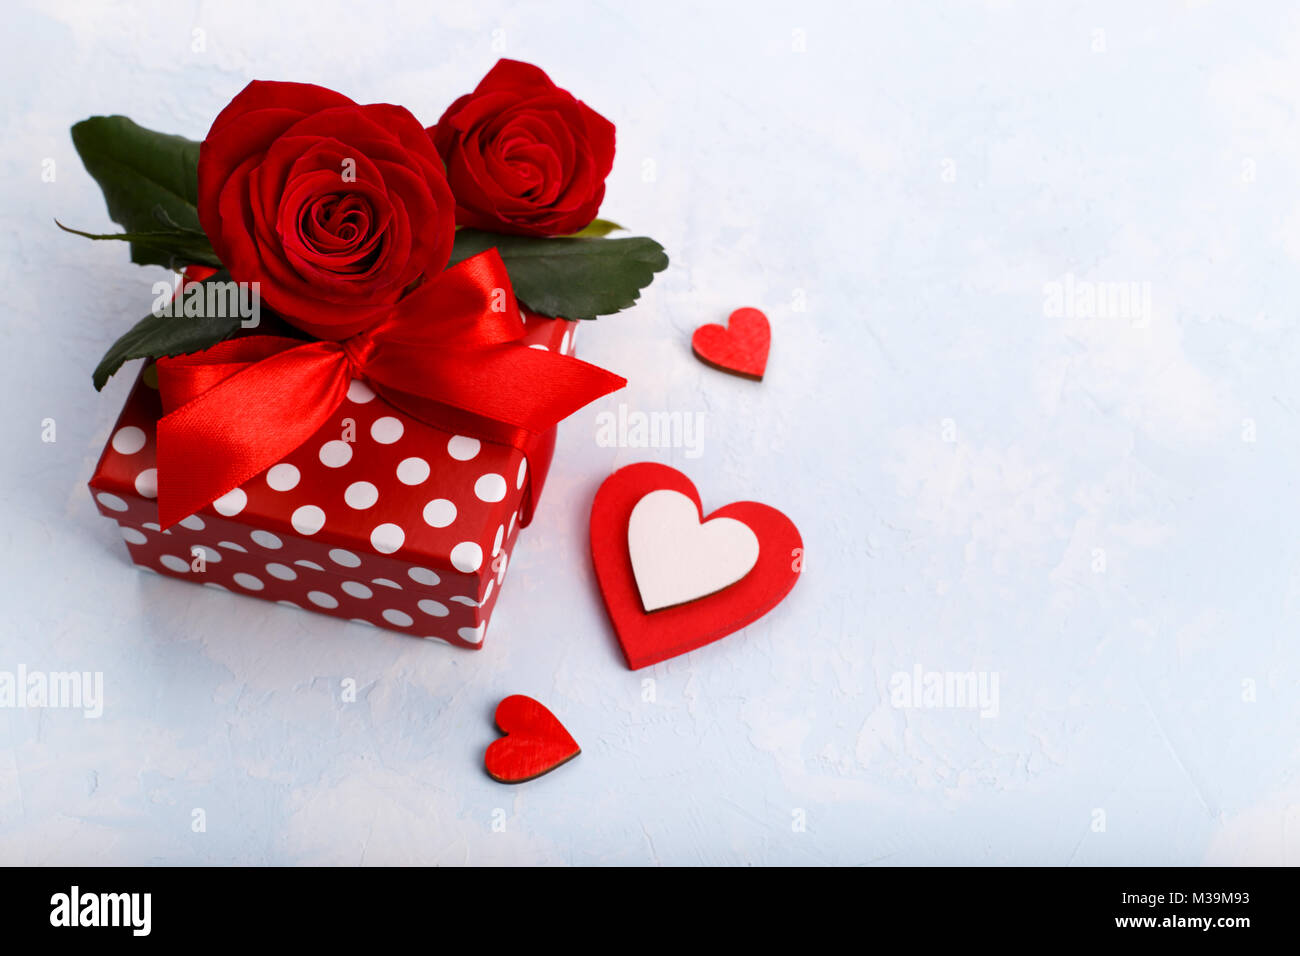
(335, 208)
(523, 155)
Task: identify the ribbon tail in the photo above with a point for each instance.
(539, 454)
(245, 423)
(522, 388)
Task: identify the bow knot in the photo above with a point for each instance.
(359, 349)
(448, 355)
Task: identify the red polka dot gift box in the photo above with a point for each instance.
(378, 517)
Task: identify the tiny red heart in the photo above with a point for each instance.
(535, 742)
(739, 347)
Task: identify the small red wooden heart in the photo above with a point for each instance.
(739, 347)
(647, 638)
(535, 742)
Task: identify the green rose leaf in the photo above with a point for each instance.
(570, 277)
(150, 183)
(157, 335)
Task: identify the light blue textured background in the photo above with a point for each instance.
(894, 186)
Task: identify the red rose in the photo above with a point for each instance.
(335, 208)
(523, 155)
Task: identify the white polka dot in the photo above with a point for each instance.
(467, 556)
(231, 546)
(400, 618)
(248, 582)
(359, 392)
(283, 477)
(231, 503)
(282, 571)
(440, 640)
(387, 538)
(128, 440)
(496, 542)
(439, 513)
(150, 526)
(361, 495)
(211, 555)
(266, 539)
(386, 430)
(434, 608)
(111, 502)
(385, 583)
(523, 473)
(473, 635)
(307, 520)
(309, 564)
(487, 593)
(357, 589)
(214, 585)
(147, 483)
(357, 620)
(345, 558)
(134, 536)
(462, 448)
(564, 343)
(193, 522)
(173, 563)
(423, 576)
(501, 568)
(412, 471)
(321, 599)
(539, 347)
(511, 529)
(467, 601)
(490, 487)
(335, 454)
(289, 604)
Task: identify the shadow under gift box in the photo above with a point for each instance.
(406, 526)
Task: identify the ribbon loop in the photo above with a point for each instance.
(448, 355)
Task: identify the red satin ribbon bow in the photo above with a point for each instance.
(448, 354)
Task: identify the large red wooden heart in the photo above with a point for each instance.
(535, 742)
(740, 346)
(648, 638)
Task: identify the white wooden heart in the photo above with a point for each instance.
(677, 558)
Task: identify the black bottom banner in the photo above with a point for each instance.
(1162, 906)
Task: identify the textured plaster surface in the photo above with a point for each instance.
(1100, 511)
